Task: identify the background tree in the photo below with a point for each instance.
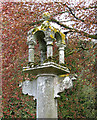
(18, 18)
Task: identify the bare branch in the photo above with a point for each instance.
(37, 22)
(66, 21)
(60, 13)
(87, 8)
(73, 29)
(77, 17)
(83, 8)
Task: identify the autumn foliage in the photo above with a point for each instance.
(80, 56)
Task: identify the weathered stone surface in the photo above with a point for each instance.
(50, 68)
(67, 83)
(45, 89)
(59, 85)
(31, 53)
(61, 53)
(49, 49)
(30, 88)
(46, 86)
(46, 104)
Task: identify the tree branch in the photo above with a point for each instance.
(77, 17)
(37, 22)
(73, 29)
(85, 8)
(66, 21)
(88, 8)
(60, 13)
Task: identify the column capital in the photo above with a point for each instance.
(49, 43)
(31, 40)
(46, 15)
(60, 45)
(39, 75)
(48, 38)
(31, 46)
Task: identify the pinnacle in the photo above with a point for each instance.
(46, 15)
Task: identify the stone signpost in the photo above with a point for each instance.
(48, 83)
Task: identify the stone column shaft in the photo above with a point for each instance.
(61, 54)
(46, 104)
(31, 53)
(49, 49)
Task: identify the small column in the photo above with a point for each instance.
(49, 49)
(46, 104)
(31, 53)
(61, 54)
(31, 42)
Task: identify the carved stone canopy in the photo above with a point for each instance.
(46, 34)
(45, 31)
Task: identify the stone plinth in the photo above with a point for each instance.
(46, 87)
(50, 68)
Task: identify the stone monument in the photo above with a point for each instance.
(48, 82)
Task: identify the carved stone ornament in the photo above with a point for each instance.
(60, 84)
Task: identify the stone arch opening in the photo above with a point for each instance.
(39, 36)
(58, 37)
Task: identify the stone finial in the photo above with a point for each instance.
(46, 15)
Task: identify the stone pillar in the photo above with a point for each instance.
(49, 49)
(61, 54)
(46, 104)
(46, 86)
